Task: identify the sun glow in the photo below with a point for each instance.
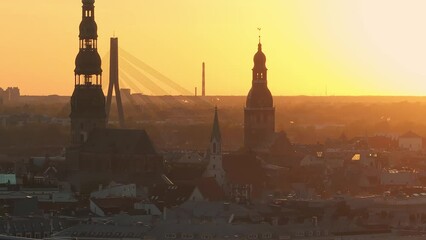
(312, 47)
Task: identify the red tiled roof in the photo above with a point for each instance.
(243, 169)
(381, 142)
(115, 205)
(409, 134)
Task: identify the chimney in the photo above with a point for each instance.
(203, 93)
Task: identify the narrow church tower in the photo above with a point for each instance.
(259, 113)
(214, 154)
(88, 99)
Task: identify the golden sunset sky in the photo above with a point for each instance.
(354, 47)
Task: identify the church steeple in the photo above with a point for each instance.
(259, 113)
(216, 130)
(215, 139)
(259, 95)
(214, 154)
(88, 69)
(259, 68)
(88, 100)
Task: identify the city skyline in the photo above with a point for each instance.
(372, 49)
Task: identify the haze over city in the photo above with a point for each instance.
(203, 120)
(340, 47)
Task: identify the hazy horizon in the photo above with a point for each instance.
(344, 48)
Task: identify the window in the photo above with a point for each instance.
(267, 235)
(214, 147)
(206, 236)
(170, 235)
(187, 236)
(252, 236)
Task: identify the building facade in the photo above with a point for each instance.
(411, 142)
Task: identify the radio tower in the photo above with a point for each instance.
(113, 83)
(203, 91)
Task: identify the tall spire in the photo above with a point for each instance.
(88, 69)
(259, 113)
(259, 68)
(260, 44)
(216, 130)
(88, 99)
(214, 154)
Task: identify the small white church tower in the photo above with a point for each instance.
(214, 155)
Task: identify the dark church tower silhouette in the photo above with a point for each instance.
(259, 113)
(88, 100)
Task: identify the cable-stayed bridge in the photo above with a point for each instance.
(140, 77)
(156, 90)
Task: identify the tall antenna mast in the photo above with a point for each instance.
(203, 90)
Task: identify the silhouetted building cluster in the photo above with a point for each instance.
(97, 153)
(10, 94)
(268, 189)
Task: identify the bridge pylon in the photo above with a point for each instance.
(114, 83)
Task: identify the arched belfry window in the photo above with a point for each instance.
(214, 147)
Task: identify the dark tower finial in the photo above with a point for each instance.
(259, 29)
(216, 130)
(203, 80)
(88, 99)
